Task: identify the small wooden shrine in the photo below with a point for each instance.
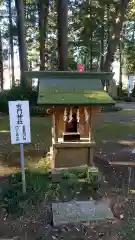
(72, 98)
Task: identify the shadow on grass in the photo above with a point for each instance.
(8, 166)
(13, 159)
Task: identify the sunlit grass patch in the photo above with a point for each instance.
(128, 110)
(10, 166)
(114, 131)
(132, 191)
(4, 131)
(43, 164)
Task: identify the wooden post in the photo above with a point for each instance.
(54, 129)
(54, 137)
(91, 153)
(86, 121)
(90, 125)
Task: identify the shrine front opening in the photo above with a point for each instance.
(72, 141)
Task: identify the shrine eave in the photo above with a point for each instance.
(75, 105)
(72, 88)
(75, 98)
(67, 74)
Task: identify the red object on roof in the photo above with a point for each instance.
(80, 67)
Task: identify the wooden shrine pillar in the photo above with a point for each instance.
(54, 137)
(54, 129)
(91, 150)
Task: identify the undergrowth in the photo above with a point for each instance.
(41, 188)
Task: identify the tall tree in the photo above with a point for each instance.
(11, 41)
(127, 45)
(1, 63)
(62, 21)
(43, 10)
(102, 39)
(118, 15)
(22, 42)
(88, 17)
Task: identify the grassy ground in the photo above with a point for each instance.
(106, 127)
(32, 210)
(114, 131)
(40, 132)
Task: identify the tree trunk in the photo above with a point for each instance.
(1, 64)
(43, 10)
(62, 21)
(115, 34)
(22, 42)
(91, 40)
(102, 43)
(11, 42)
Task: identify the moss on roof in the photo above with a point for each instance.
(75, 98)
(63, 88)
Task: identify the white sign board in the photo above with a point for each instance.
(116, 71)
(19, 115)
(131, 83)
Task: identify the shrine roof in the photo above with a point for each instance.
(72, 88)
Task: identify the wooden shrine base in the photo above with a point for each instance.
(73, 154)
(128, 164)
(58, 173)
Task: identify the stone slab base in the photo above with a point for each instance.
(78, 211)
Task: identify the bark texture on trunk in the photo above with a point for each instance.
(22, 42)
(62, 21)
(102, 43)
(11, 42)
(114, 37)
(1, 64)
(43, 10)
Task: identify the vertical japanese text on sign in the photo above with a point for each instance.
(19, 122)
(19, 114)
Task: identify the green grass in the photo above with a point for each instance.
(4, 124)
(36, 122)
(14, 201)
(128, 111)
(40, 133)
(41, 140)
(114, 131)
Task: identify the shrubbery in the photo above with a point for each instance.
(40, 188)
(123, 95)
(18, 93)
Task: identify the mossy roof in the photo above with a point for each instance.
(75, 98)
(72, 88)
